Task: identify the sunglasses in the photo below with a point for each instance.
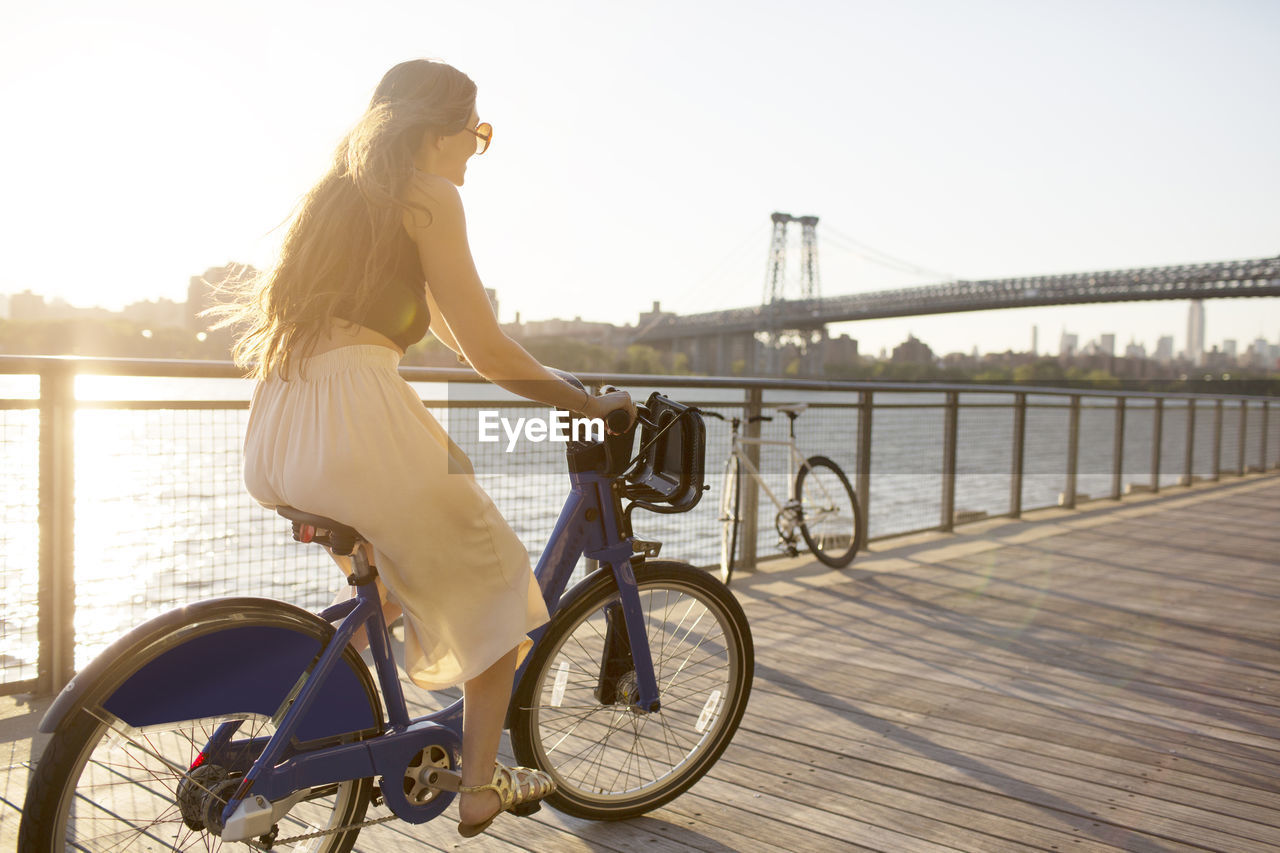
(484, 135)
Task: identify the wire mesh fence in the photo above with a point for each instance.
(984, 460)
(1139, 427)
(1272, 431)
(19, 541)
(1204, 434)
(1045, 465)
(1173, 442)
(1229, 452)
(906, 463)
(161, 517)
(1096, 448)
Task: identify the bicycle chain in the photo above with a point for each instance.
(295, 838)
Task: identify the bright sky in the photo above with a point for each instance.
(640, 148)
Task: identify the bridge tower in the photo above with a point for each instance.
(774, 335)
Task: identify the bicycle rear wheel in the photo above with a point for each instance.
(730, 496)
(104, 784)
(829, 519)
(571, 716)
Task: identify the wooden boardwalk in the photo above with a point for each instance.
(1099, 679)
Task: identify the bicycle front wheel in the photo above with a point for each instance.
(729, 518)
(572, 715)
(104, 784)
(829, 519)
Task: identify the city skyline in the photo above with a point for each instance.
(164, 312)
(638, 155)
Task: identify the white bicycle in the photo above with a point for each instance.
(820, 503)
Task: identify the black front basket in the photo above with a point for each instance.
(667, 474)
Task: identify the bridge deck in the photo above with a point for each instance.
(1093, 680)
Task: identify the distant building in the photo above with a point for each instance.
(161, 314)
(841, 350)
(585, 331)
(26, 306)
(1195, 332)
(1035, 340)
(1164, 349)
(912, 351)
(648, 319)
(1068, 344)
(1107, 344)
(1229, 348)
(1262, 354)
(1135, 350)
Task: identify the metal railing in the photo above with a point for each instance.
(120, 503)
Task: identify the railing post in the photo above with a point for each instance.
(865, 408)
(1117, 453)
(1241, 468)
(1157, 428)
(750, 491)
(950, 433)
(1073, 452)
(56, 608)
(1019, 452)
(1217, 440)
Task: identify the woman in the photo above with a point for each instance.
(376, 257)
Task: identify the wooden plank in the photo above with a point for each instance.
(1156, 780)
(1045, 684)
(1120, 760)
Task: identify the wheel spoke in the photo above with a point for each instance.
(616, 756)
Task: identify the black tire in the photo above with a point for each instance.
(100, 781)
(730, 518)
(689, 615)
(830, 520)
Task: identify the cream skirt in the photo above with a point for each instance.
(351, 440)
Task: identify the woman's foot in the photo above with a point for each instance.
(478, 805)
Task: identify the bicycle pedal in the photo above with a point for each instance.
(526, 809)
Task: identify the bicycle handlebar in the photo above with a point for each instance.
(618, 420)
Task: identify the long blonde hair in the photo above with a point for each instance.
(339, 249)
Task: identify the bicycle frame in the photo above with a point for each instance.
(588, 524)
(736, 450)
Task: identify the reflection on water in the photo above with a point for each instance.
(162, 517)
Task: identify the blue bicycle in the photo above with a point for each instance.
(252, 721)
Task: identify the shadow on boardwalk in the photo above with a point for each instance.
(1100, 679)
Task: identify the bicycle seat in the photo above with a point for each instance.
(793, 409)
(341, 538)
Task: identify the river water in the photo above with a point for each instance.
(161, 517)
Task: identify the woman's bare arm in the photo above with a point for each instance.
(457, 294)
(440, 328)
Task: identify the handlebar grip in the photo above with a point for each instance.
(618, 420)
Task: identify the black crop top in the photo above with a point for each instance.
(399, 308)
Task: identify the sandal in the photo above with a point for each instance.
(507, 783)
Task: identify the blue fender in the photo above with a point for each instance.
(213, 658)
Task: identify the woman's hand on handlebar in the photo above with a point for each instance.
(600, 407)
